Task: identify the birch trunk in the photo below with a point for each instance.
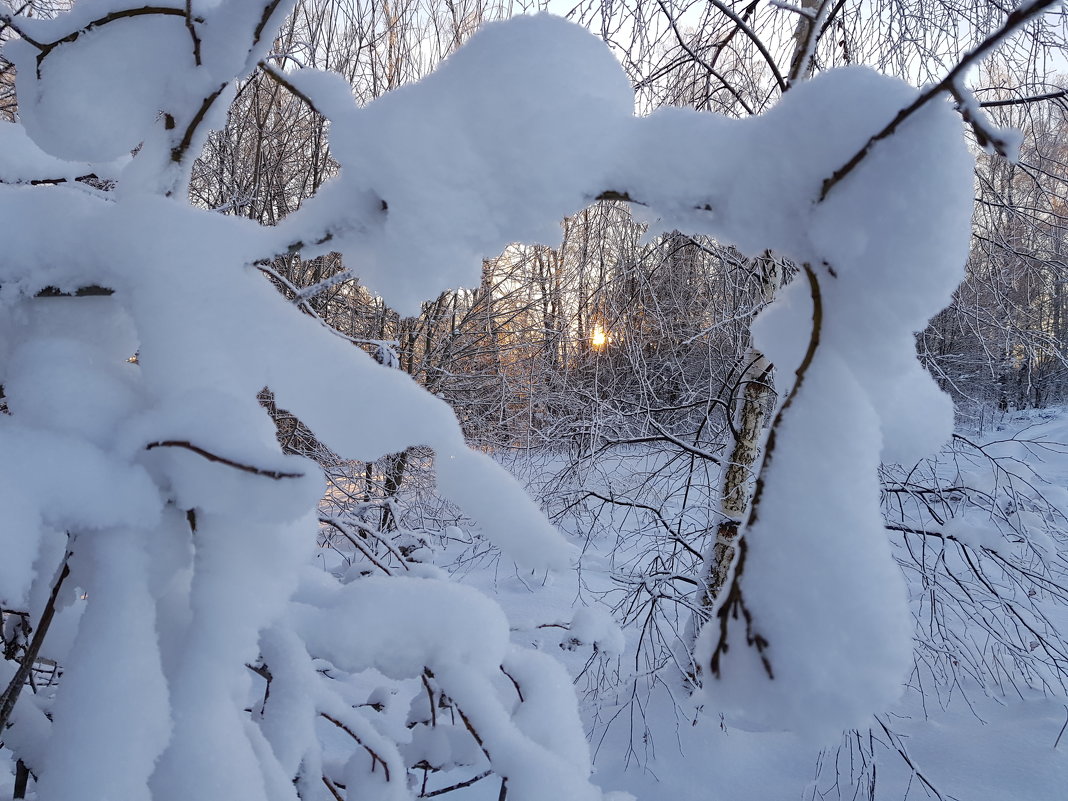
(757, 391)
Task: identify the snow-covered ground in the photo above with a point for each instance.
(988, 732)
(994, 729)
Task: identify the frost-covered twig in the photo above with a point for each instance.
(755, 39)
(354, 540)
(1015, 20)
(302, 303)
(376, 759)
(279, 77)
(656, 513)
(458, 786)
(212, 457)
(46, 48)
(1022, 101)
(700, 61)
(14, 687)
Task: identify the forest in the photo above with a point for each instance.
(530, 401)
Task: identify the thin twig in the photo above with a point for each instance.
(178, 151)
(356, 544)
(279, 77)
(47, 47)
(191, 26)
(704, 64)
(333, 790)
(894, 742)
(265, 18)
(659, 516)
(1019, 101)
(1015, 20)
(211, 457)
(14, 687)
(375, 758)
(686, 447)
(458, 785)
(752, 36)
(515, 683)
(1065, 726)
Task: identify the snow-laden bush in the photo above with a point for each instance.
(148, 509)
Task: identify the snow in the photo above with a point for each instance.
(22, 160)
(454, 624)
(819, 580)
(595, 626)
(441, 154)
(98, 97)
(90, 753)
(971, 733)
(192, 532)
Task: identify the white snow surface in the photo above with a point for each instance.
(471, 158)
(190, 529)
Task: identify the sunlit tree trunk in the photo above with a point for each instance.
(754, 402)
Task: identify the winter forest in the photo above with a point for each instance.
(507, 401)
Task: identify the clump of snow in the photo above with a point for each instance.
(595, 626)
(975, 532)
(97, 98)
(98, 707)
(400, 625)
(21, 160)
(884, 251)
(433, 167)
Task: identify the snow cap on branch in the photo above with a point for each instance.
(452, 169)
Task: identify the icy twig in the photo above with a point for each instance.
(14, 687)
(1019, 17)
(212, 457)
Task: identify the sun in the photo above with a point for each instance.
(598, 337)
